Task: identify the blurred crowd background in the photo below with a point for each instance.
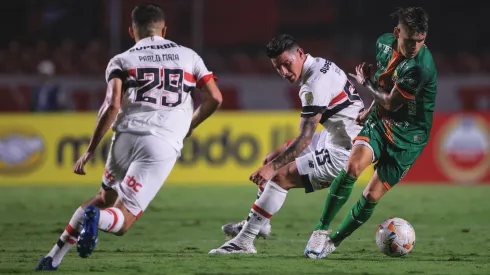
(53, 56)
(53, 53)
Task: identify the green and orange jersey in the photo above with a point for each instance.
(416, 79)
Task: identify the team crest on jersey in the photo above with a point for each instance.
(394, 77)
(309, 98)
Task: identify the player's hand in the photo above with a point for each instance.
(362, 117)
(79, 165)
(364, 72)
(263, 174)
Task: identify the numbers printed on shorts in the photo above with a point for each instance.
(322, 157)
(166, 83)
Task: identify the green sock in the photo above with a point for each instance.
(338, 194)
(359, 214)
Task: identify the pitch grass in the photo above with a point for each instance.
(183, 223)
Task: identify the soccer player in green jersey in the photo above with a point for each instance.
(396, 130)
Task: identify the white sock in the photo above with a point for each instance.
(68, 238)
(268, 204)
(111, 220)
(260, 190)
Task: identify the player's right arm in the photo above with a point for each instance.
(390, 101)
(106, 115)
(314, 104)
(212, 97)
(363, 116)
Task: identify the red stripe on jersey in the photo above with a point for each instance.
(132, 72)
(261, 211)
(205, 79)
(115, 219)
(189, 77)
(338, 98)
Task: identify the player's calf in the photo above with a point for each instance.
(69, 237)
(269, 203)
(116, 220)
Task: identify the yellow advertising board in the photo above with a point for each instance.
(226, 149)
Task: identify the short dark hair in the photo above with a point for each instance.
(414, 17)
(143, 16)
(280, 44)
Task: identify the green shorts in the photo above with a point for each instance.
(392, 162)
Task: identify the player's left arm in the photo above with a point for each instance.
(107, 113)
(405, 89)
(390, 101)
(307, 127)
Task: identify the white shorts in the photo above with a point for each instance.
(320, 162)
(137, 167)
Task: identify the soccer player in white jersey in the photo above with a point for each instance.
(149, 89)
(311, 160)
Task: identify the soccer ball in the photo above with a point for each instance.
(395, 237)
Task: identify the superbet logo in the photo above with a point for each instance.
(131, 182)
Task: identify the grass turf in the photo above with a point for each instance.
(183, 223)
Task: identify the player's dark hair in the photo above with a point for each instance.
(145, 16)
(413, 17)
(280, 44)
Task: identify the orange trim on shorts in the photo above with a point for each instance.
(366, 139)
(388, 133)
(388, 187)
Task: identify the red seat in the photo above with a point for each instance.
(81, 99)
(231, 99)
(294, 98)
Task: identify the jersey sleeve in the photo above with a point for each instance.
(411, 81)
(114, 70)
(313, 100)
(201, 73)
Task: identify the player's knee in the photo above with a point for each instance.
(372, 195)
(354, 168)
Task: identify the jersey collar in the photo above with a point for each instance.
(150, 39)
(306, 71)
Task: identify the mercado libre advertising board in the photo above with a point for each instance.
(226, 149)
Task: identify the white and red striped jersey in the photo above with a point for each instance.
(325, 89)
(158, 77)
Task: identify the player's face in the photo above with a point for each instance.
(290, 64)
(409, 41)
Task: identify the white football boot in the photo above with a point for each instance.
(232, 229)
(319, 245)
(234, 246)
